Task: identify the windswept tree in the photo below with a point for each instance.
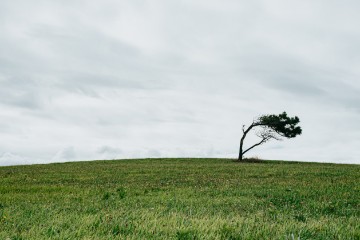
(271, 127)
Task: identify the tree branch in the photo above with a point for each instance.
(257, 144)
(273, 127)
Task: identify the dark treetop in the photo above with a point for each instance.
(271, 127)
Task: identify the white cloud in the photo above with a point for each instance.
(83, 80)
(66, 154)
(7, 159)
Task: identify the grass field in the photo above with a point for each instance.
(180, 199)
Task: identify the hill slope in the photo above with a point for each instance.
(180, 199)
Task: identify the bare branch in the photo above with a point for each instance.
(268, 133)
(257, 144)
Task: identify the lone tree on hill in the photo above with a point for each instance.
(271, 127)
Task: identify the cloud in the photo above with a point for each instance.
(66, 154)
(80, 80)
(108, 152)
(8, 159)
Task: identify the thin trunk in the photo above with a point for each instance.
(241, 153)
(240, 158)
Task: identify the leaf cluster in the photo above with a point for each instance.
(281, 124)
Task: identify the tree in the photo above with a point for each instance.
(271, 127)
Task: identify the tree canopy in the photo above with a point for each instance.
(271, 127)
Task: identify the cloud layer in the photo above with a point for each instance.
(83, 80)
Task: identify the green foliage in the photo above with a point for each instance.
(282, 124)
(180, 199)
(121, 192)
(106, 196)
(229, 233)
(272, 127)
(186, 235)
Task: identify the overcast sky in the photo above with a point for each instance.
(82, 80)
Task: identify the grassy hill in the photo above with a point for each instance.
(180, 199)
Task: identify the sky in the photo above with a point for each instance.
(84, 80)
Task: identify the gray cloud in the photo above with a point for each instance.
(65, 154)
(81, 80)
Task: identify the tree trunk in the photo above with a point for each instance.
(241, 153)
(240, 158)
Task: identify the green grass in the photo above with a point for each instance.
(180, 199)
